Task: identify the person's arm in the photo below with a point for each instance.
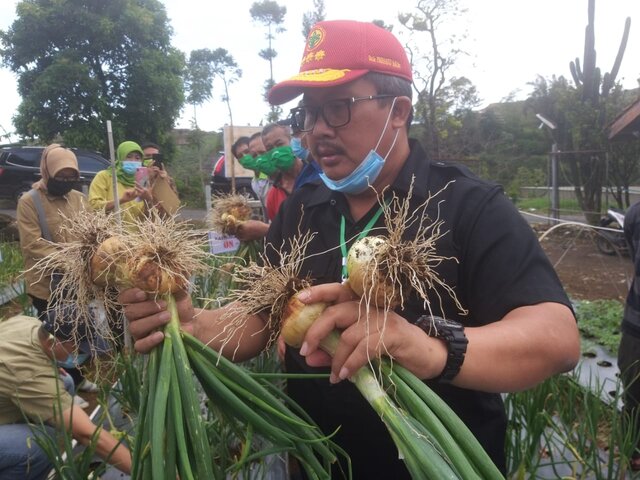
(82, 429)
(526, 346)
(212, 327)
(251, 230)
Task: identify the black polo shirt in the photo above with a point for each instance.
(496, 264)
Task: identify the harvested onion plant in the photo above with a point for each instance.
(159, 256)
(228, 213)
(383, 271)
(74, 296)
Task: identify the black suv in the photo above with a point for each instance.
(20, 168)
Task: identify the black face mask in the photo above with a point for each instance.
(58, 188)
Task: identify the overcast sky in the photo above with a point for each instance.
(510, 43)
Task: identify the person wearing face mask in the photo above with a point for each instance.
(311, 170)
(281, 164)
(41, 214)
(511, 324)
(134, 198)
(32, 391)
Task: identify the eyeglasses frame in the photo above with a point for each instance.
(347, 101)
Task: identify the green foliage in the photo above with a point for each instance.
(192, 164)
(271, 15)
(11, 263)
(82, 63)
(599, 322)
(203, 67)
(581, 114)
(543, 203)
(525, 177)
(433, 53)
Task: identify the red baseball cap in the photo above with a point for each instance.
(340, 51)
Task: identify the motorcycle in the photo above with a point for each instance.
(612, 241)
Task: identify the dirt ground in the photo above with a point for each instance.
(585, 272)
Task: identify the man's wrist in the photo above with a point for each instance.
(452, 334)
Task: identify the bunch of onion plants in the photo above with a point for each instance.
(228, 213)
(160, 256)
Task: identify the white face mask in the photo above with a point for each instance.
(368, 170)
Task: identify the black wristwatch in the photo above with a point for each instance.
(453, 335)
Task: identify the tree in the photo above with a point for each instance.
(198, 77)
(271, 15)
(459, 99)
(309, 19)
(82, 62)
(582, 112)
(431, 59)
(203, 67)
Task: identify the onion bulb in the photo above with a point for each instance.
(368, 272)
(147, 275)
(297, 318)
(106, 262)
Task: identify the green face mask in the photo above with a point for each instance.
(248, 162)
(276, 159)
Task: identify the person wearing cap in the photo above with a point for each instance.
(31, 391)
(516, 326)
(134, 198)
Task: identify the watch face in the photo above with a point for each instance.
(444, 323)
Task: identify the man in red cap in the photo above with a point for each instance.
(513, 326)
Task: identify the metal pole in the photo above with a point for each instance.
(555, 191)
(114, 177)
(128, 341)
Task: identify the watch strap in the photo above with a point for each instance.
(453, 335)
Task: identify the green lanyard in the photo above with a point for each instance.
(364, 233)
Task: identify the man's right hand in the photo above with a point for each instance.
(147, 316)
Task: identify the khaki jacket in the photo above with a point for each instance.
(33, 246)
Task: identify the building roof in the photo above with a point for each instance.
(626, 126)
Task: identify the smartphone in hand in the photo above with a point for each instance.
(142, 177)
(157, 160)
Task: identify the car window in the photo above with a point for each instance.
(90, 164)
(25, 158)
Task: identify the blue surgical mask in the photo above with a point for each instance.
(298, 150)
(73, 360)
(130, 166)
(365, 173)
